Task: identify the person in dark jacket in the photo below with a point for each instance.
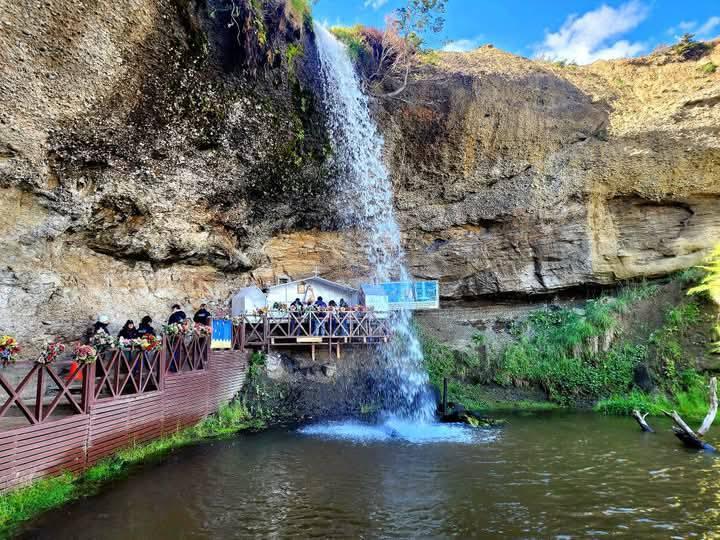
(99, 326)
(145, 327)
(202, 315)
(128, 331)
(177, 316)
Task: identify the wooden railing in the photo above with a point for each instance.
(183, 354)
(122, 372)
(40, 381)
(44, 394)
(328, 327)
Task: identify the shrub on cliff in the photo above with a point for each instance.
(566, 351)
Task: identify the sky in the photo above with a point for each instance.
(580, 31)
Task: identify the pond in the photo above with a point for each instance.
(541, 475)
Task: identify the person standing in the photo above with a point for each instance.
(145, 327)
(202, 315)
(177, 316)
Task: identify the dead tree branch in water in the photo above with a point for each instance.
(641, 420)
(690, 438)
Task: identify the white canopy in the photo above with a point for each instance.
(247, 300)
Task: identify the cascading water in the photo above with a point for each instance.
(366, 194)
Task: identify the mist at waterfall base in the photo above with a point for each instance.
(365, 197)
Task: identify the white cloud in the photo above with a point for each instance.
(589, 37)
(375, 4)
(462, 45)
(707, 30)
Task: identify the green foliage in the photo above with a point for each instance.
(690, 276)
(430, 57)
(25, 503)
(667, 344)
(256, 365)
(352, 37)
(624, 404)
(710, 285)
(688, 48)
(689, 399)
(419, 17)
(556, 350)
(294, 50)
(29, 501)
(709, 68)
(300, 11)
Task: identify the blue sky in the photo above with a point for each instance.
(574, 30)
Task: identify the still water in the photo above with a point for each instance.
(540, 476)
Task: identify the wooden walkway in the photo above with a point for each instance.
(49, 424)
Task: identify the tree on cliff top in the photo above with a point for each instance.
(386, 56)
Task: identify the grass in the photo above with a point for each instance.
(27, 502)
(557, 349)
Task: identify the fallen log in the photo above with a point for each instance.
(693, 439)
(641, 420)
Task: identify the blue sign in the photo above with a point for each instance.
(221, 334)
(412, 294)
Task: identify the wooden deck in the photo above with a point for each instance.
(313, 329)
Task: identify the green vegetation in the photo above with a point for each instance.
(624, 404)
(352, 37)
(560, 350)
(710, 286)
(27, 502)
(709, 68)
(300, 11)
(689, 49)
(584, 354)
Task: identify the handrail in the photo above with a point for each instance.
(331, 326)
(116, 373)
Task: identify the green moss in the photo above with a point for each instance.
(29, 501)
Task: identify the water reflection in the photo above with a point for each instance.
(545, 476)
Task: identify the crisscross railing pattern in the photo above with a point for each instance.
(122, 372)
(185, 354)
(37, 386)
(283, 328)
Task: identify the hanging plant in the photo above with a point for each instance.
(50, 353)
(9, 349)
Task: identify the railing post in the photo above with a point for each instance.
(88, 388)
(242, 333)
(162, 363)
(266, 333)
(39, 392)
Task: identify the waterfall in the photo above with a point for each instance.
(366, 202)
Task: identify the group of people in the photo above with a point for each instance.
(319, 323)
(319, 305)
(131, 331)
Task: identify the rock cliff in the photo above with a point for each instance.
(173, 150)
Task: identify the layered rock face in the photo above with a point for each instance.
(148, 150)
(515, 176)
(154, 152)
